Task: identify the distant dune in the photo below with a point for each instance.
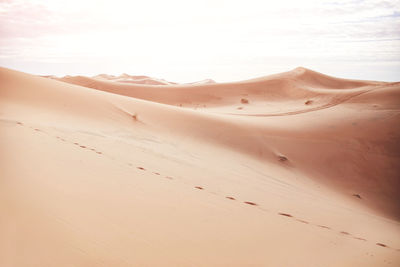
(292, 169)
(205, 81)
(123, 78)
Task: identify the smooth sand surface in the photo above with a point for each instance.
(292, 169)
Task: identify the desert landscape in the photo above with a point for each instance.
(292, 169)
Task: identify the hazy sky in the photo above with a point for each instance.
(193, 40)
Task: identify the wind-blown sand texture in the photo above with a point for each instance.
(293, 169)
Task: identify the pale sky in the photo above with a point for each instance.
(188, 40)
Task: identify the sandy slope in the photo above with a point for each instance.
(293, 169)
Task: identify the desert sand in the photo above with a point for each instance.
(292, 169)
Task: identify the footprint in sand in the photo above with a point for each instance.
(141, 168)
(60, 138)
(250, 203)
(285, 214)
(381, 245)
(156, 173)
(231, 198)
(199, 187)
(360, 238)
(302, 221)
(323, 226)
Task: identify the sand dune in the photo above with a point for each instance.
(124, 78)
(292, 169)
(205, 81)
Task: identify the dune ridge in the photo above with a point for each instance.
(315, 157)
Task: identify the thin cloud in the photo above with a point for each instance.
(182, 35)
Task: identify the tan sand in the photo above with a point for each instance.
(293, 169)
